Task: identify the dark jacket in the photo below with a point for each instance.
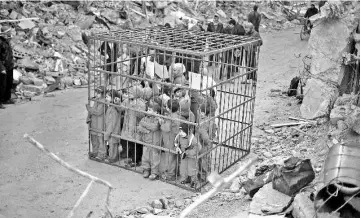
(215, 28)
(255, 18)
(310, 12)
(239, 30)
(96, 115)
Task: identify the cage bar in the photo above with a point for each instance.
(157, 82)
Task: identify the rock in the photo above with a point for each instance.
(13, 15)
(346, 99)
(353, 120)
(327, 42)
(77, 82)
(83, 81)
(49, 80)
(188, 201)
(296, 22)
(4, 12)
(26, 80)
(157, 204)
(303, 207)
(38, 82)
(86, 22)
(338, 113)
(236, 186)
(269, 200)
(221, 13)
(75, 49)
(75, 33)
(165, 202)
(252, 186)
(262, 141)
(155, 216)
(341, 125)
(318, 100)
(157, 211)
(29, 94)
(296, 174)
(33, 88)
(178, 203)
(267, 154)
(288, 24)
(60, 34)
(144, 210)
(269, 131)
(28, 64)
(26, 24)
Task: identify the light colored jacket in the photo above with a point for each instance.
(96, 114)
(132, 118)
(149, 130)
(112, 125)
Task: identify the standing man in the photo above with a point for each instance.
(215, 26)
(255, 18)
(6, 67)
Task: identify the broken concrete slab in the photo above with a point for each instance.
(27, 63)
(328, 40)
(293, 176)
(253, 186)
(318, 99)
(26, 24)
(33, 88)
(303, 207)
(269, 201)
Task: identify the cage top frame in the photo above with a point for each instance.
(176, 40)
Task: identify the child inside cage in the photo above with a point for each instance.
(132, 99)
(169, 129)
(207, 133)
(96, 121)
(187, 146)
(112, 126)
(184, 105)
(177, 73)
(149, 130)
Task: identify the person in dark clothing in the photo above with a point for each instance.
(111, 53)
(215, 27)
(311, 11)
(6, 71)
(320, 4)
(255, 18)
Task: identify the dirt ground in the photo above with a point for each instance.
(33, 185)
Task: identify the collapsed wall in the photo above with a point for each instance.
(333, 45)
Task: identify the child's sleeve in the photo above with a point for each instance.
(196, 146)
(166, 126)
(203, 134)
(152, 126)
(141, 128)
(110, 127)
(98, 110)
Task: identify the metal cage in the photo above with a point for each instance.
(165, 82)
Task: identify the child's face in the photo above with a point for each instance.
(98, 95)
(179, 93)
(203, 114)
(182, 133)
(108, 98)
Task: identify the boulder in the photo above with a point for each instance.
(318, 99)
(49, 80)
(303, 207)
(157, 204)
(26, 80)
(328, 40)
(353, 120)
(37, 81)
(338, 113)
(33, 88)
(28, 64)
(346, 99)
(296, 22)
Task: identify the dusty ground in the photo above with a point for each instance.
(32, 185)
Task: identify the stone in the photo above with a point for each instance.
(178, 203)
(165, 202)
(221, 13)
(32, 88)
(75, 49)
(353, 120)
(269, 131)
(4, 12)
(60, 34)
(252, 186)
(338, 113)
(188, 201)
(49, 80)
(269, 201)
(267, 154)
(318, 99)
(341, 125)
(346, 99)
(86, 22)
(154, 216)
(28, 64)
(26, 24)
(13, 15)
(296, 22)
(303, 207)
(26, 80)
(293, 176)
(328, 40)
(38, 82)
(144, 210)
(157, 211)
(74, 33)
(157, 204)
(236, 185)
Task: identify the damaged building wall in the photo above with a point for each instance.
(331, 38)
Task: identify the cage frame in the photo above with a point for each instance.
(252, 42)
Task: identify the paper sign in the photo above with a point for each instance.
(195, 81)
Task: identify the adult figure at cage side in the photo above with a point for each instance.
(215, 27)
(6, 57)
(309, 13)
(255, 18)
(110, 52)
(251, 52)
